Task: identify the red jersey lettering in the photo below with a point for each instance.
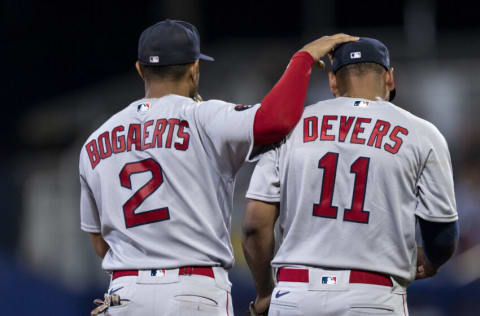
(326, 127)
(158, 134)
(310, 129)
(171, 128)
(345, 125)
(104, 145)
(134, 137)
(183, 135)
(145, 135)
(92, 152)
(398, 141)
(118, 142)
(381, 129)
(358, 129)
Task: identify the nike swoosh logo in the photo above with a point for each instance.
(116, 290)
(281, 294)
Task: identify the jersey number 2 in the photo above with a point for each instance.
(147, 217)
(325, 208)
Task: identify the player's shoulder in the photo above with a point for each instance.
(426, 132)
(174, 100)
(215, 103)
(320, 105)
(422, 126)
(112, 120)
(216, 107)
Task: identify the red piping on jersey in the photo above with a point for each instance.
(227, 305)
(282, 107)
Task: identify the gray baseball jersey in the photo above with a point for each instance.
(157, 181)
(350, 179)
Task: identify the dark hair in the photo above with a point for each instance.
(359, 69)
(170, 72)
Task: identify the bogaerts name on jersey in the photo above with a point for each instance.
(382, 134)
(161, 133)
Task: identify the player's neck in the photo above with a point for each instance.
(163, 88)
(365, 89)
(364, 95)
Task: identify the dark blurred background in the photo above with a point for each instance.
(69, 65)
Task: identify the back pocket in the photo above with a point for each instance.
(370, 309)
(197, 305)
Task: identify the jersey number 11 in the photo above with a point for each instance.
(356, 213)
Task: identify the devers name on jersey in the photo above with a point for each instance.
(312, 131)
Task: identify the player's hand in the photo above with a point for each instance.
(325, 45)
(260, 306)
(424, 268)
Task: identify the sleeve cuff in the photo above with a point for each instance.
(262, 197)
(90, 229)
(437, 219)
(253, 151)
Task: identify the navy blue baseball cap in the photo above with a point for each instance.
(170, 42)
(365, 50)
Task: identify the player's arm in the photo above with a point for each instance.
(89, 217)
(439, 244)
(99, 244)
(233, 130)
(436, 208)
(261, 213)
(258, 244)
(282, 107)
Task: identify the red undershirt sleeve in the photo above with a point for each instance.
(282, 107)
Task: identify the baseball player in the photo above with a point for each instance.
(157, 178)
(346, 188)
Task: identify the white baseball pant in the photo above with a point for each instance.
(170, 293)
(325, 292)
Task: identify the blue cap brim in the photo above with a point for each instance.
(205, 57)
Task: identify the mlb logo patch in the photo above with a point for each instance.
(355, 55)
(154, 59)
(361, 103)
(158, 273)
(143, 107)
(329, 280)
